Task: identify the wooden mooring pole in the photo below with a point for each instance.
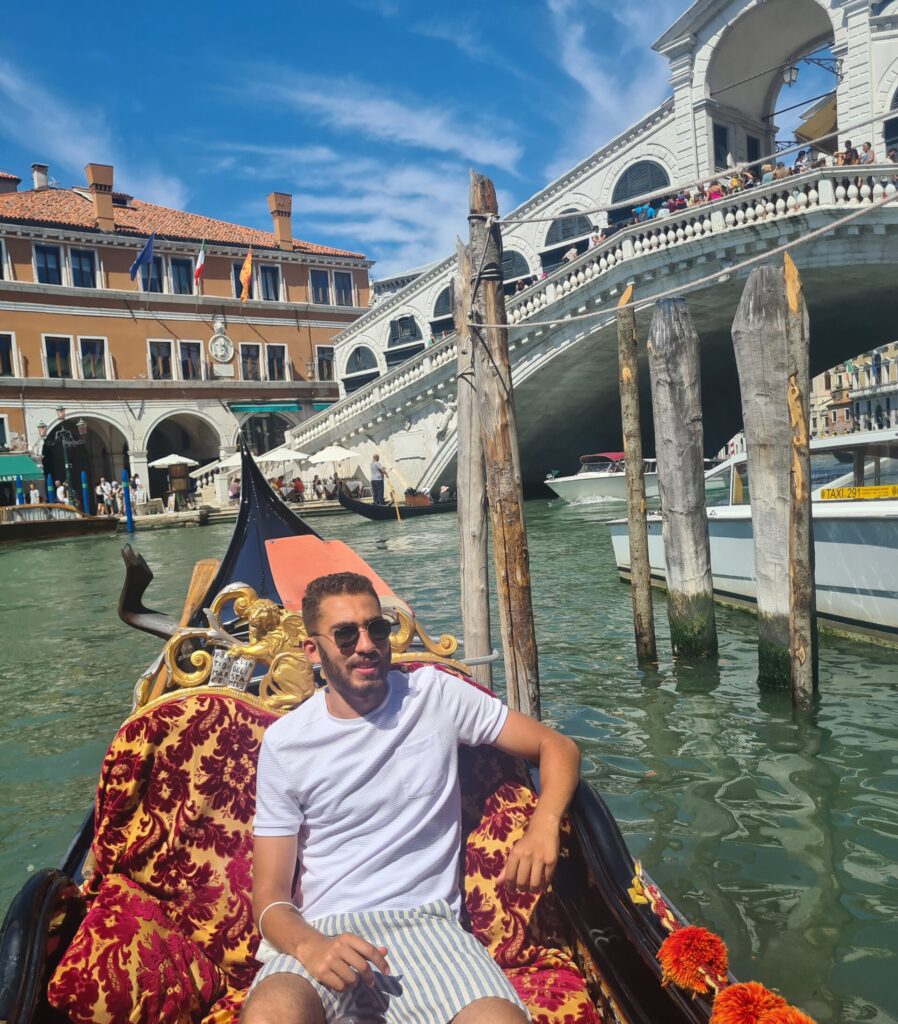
(640, 569)
(802, 593)
(492, 374)
(679, 448)
(473, 540)
(770, 338)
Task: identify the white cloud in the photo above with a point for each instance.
(616, 91)
(57, 134)
(466, 39)
(401, 215)
(360, 108)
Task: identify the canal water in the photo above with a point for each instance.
(781, 835)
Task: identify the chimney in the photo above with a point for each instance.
(8, 182)
(39, 173)
(280, 206)
(99, 181)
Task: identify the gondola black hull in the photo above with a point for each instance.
(384, 513)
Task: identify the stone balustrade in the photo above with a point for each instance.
(723, 219)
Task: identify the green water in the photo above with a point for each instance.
(781, 835)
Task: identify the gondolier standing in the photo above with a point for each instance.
(359, 785)
(377, 474)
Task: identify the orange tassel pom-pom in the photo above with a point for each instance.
(785, 1015)
(688, 955)
(744, 1004)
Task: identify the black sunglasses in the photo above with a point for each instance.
(347, 635)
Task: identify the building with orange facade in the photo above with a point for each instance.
(126, 371)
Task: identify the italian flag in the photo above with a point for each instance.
(200, 263)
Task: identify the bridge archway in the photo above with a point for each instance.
(570, 229)
(181, 433)
(744, 79)
(361, 369)
(101, 451)
(638, 179)
(443, 321)
(263, 431)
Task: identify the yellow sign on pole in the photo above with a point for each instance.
(859, 493)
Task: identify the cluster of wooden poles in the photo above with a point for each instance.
(771, 343)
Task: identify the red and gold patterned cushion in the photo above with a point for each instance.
(522, 931)
(174, 812)
(128, 964)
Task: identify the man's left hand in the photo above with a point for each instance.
(532, 860)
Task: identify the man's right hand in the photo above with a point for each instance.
(340, 961)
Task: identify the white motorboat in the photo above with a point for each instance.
(854, 480)
(601, 477)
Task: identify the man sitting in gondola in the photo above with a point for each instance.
(360, 786)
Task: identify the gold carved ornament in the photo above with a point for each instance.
(274, 639)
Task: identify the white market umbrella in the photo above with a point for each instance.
(281, 454)
(172, 460)
(333, 453)
(231, 462)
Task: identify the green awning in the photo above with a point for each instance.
(285, 406)
(321, 406)
(24, 466)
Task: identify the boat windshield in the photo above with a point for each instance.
(717, 487)
(600, 464)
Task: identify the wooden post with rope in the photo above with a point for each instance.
(679, 447)
(473, 539)
(492, 374)
(640, 569)
(802, 596)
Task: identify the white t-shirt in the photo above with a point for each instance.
(376, 471)
(375, 800)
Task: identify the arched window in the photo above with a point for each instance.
(404, 341)
(514, 265)
(643, 177)
(361, 369)
(570, 225)
(443, 322)
(890, 131)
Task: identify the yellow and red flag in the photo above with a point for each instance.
(246, 275)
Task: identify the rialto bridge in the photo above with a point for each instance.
(565, 376)
(730, 62)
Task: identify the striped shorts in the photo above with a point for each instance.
(437, 968)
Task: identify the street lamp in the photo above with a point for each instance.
(310, 369)
(67, 440)
(790, 74)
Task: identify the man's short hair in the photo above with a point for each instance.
(334, 585)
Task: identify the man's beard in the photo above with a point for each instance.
(339, 677)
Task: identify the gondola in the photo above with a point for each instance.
(148, 918)
(382, 513)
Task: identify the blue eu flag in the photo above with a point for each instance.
(145, 256)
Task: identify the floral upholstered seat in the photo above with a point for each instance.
(168, 933)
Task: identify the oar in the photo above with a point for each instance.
(395, 504)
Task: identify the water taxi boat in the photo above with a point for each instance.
(601, 477)
(149, 917)
(854, 481)
(49, 522)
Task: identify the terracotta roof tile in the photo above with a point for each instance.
(9, 177)
(59, 207)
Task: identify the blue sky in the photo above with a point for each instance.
(370, 112)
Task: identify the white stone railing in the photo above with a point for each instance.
(782, 200)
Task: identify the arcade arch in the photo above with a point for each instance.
(101, 451)
(571, 228)
(443, 321)
(263, 431)
(181, 433)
